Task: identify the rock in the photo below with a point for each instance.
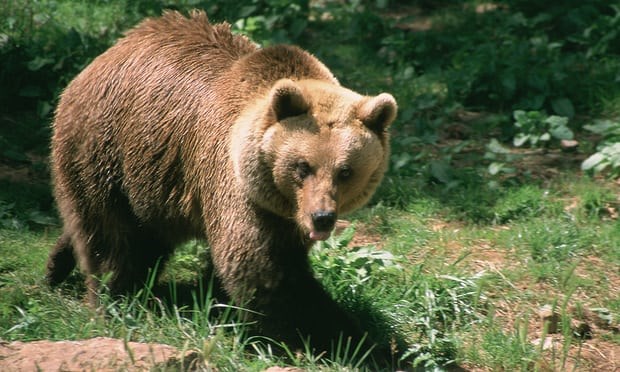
(96, 354)
(546, 343)
(549, 317)
(582, 330)
(569, 145)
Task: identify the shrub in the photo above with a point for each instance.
(608, 152)
(538, 128)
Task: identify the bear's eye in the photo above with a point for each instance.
(345, 173)
(303, 170)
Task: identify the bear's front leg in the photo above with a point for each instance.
(300, 311)
(265, 268)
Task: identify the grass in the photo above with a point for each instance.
(455, 289)
(455, 262)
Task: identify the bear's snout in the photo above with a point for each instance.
(323, 220)
(323, 223)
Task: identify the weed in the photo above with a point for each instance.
(608, 154)
(355, 266)
(535, 127)
(508, 350)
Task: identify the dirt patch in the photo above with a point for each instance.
(591, 355)
(581, 338)
(589, 342)
(96, 354)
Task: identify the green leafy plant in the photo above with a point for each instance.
(7, 217)
(499, 155)
(607, 156)
(608, 152)
(353, 265)
(273, 21)
(538, 129)
(601, 35)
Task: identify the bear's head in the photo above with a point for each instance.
(311, 150)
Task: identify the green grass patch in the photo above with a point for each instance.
(440, 283)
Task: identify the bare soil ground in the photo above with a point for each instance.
(96, 354)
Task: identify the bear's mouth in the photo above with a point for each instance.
(319, 235)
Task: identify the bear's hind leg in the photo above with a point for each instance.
(61, 261)
(122, 266)
(89, 250)
(138, 262)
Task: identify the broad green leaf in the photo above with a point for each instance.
(440, 170)
(535, 115)
(495, 168)
(4, 40)
(561, 132)
(401, 160)
(520, 117)
(604, 127)
(496, 147)
(520, 139)
(556, 121)
(532, 102)
(592, 161)
(488, 155)
(613, 153)
(601, 166)
(563, 107)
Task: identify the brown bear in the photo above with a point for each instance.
(183, 130)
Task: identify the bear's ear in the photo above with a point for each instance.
(377, 113)
(287, 100)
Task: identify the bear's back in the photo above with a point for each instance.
(156, 82)
(173, 64)
(187, 41)
(158, 59)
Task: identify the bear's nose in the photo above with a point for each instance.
(323, 220)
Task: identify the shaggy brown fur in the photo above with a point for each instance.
(183, 130)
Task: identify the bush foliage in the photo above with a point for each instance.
(437, 58)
